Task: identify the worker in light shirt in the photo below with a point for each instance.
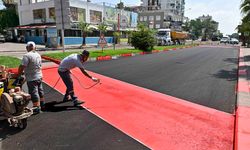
(68, 63)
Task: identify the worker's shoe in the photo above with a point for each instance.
(42, 105)
(77, 102)
(37, 110)
(66, 99)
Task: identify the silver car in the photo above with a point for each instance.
(234, 41)
(2, 38)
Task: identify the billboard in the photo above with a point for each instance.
(95, 16)
(111, 15)
(134, 17)
(125, 19)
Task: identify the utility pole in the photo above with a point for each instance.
(62, 30)
(119, 16)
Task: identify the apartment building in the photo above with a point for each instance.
(35, 16)
(172, 10)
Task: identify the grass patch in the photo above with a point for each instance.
(9, 62)
(96, 53)
(124, 39)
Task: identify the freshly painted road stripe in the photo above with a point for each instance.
(157, 120)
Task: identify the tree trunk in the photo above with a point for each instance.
(83, 39)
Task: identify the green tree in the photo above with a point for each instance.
(9, 4)
(102, 28)
(9, 18)
(205, 29)
(195, 28)
(120, 5)
(244, 28)
(245, 10)
(235, 35)
(85, 30)
(144, 38)
(209, 27)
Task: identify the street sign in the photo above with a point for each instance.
(62, 10)
(102, 41)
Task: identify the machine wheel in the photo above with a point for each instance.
(22, 123)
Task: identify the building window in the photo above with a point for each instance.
(39, 14)
(95, 16)
(77, 14)
(39, 1)
(52, 13)
(145, 18)
(151, 18)
(141, 18)
(151, 26)
(73, 14)
(81, 14)
(158, 18)
(157, 26)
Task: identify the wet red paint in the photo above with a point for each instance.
(104, 58)
(126, 55)
(242, 128)
(159, 121)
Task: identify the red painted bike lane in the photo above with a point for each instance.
(158, 121)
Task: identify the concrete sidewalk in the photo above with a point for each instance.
(242, 127)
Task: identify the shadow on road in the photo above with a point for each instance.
(5, 130)
(55, 106)
(229, 75)
(231, 60)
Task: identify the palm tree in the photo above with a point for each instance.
(245, 10)
(85, 30)
(102, 28)
(244, 28)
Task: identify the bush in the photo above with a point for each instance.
(144, 38)
(117, 37)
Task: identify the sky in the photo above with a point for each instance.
(226, 12)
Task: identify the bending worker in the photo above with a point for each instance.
(68, 63)
(31, 65)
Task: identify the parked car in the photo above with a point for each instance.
(225, 40)
(215, 38)
(234, 41)
(2, 38)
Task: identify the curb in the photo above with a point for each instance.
(242, 115)
(109, 57)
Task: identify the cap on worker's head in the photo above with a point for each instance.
(85, 53)
(30, 43)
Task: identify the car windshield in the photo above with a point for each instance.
(162, 33)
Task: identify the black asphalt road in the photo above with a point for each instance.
(65, 127)
(203, 75)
